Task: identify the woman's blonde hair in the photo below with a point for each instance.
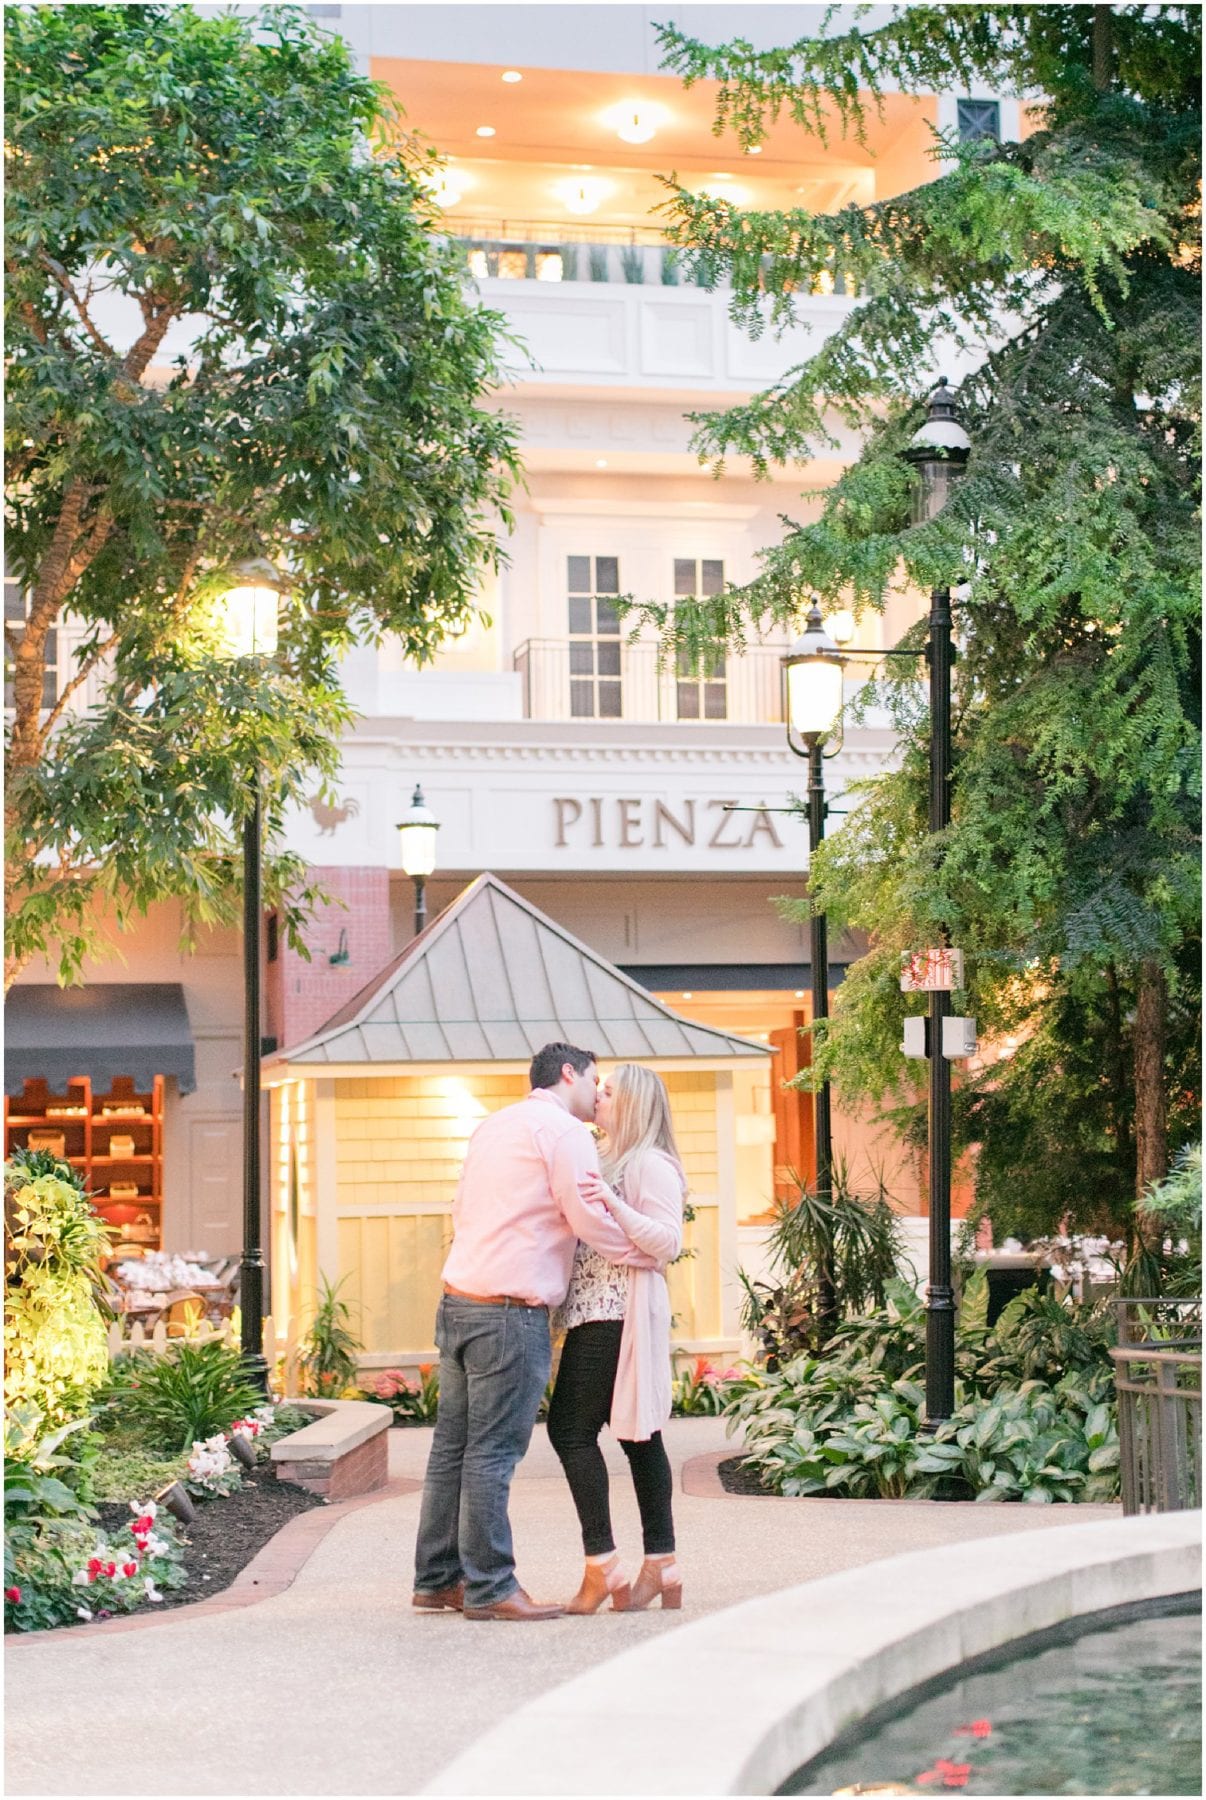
(640, 1122)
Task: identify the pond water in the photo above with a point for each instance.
(1116, 1709)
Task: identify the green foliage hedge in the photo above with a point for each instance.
(1035, 1418)
(55, 1350)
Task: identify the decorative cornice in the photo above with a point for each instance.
(594, 755)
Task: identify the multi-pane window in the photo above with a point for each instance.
(15, 610)
(701, 686)
(593, 584)
(979, 119)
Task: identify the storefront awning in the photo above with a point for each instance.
(138, 1029)
(492, 980)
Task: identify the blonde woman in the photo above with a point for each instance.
(615, 1364)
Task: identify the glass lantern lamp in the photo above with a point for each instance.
(938, 454)
(417, 834)
(813, 672)
(248, 612)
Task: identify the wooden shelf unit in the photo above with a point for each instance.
(87, 1136)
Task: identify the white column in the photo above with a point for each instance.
(726, 1195)
(325, 1195)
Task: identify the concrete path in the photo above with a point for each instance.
(337, 1687)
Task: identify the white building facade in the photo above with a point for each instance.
(644, 808)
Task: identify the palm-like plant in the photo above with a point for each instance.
(330, 1349)
(834, 1255)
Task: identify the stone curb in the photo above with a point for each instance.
(271, 1570)
(810, 1661)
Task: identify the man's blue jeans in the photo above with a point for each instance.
(494, 1367)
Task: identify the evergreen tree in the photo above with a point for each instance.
(232, 181)
(1065, 270)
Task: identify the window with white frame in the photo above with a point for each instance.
(702, 688)
(595, 673)
(978, 119)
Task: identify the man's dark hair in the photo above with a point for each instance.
(548, 1063)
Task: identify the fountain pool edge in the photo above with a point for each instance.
(736, 1702)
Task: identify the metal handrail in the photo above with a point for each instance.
(1159, 1415)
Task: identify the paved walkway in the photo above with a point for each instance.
(337, 1687)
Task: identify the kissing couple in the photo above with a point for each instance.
(539, 1227)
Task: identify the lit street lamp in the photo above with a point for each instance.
(248, 621)
(417, 832)
(812, 674)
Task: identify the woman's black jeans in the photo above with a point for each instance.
(580, 1407)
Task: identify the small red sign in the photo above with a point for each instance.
(930, 971)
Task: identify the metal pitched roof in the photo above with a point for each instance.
(492, 979)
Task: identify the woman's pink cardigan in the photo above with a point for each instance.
(653, 1219)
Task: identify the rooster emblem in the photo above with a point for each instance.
(330, 818)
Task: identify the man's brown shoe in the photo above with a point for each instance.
(516, 1606)
(449, 1599)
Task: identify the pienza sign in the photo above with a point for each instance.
(616, 823)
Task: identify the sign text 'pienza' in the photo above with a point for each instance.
(605, 823)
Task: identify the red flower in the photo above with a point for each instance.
(13, 1595)
(130, 1568)
(95, 1567)
(111, 1568)
(979, 1728)
(140, 1527)
(950, 1774)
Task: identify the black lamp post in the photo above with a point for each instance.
(939, 453)
(417, 832)
(812, 674)
(249, 625)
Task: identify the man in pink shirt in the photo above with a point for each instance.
(517, 1218)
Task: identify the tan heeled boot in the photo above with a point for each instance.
(659, 1578)
(601, 1581)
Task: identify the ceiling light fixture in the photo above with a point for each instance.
(753, 150)
(511, 75)
(583, 195)
(485, 131)
(635, 121)
(446, 186)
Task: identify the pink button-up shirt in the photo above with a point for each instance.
(518, 1214)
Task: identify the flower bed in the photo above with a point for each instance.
(77, 1548)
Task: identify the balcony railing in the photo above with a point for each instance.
(605, 678)
(527, 250)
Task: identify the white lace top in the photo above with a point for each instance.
(598, 1289)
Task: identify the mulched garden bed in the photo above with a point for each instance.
(736, 1478)
(226, 1532)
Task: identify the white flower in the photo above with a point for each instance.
(157, 1546)
(152, 1591)
(82, 1612)
(80, 1579)
(148, 1510)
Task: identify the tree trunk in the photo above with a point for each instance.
(1122, 1097)
(1103, 47)
(1151, 1112)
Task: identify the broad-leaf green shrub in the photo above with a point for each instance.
(55, 1326)
(850, 1424)
(191, 1391)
